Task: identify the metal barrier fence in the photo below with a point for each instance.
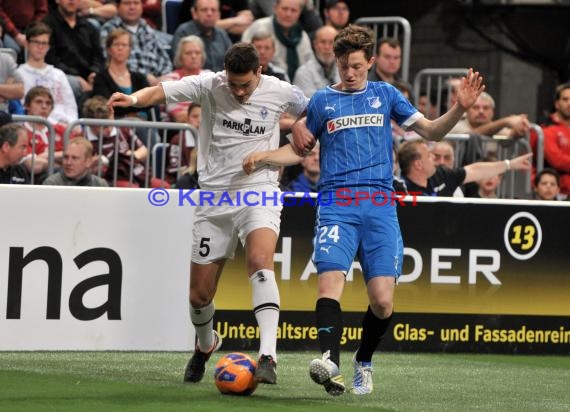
(390, 27)
(515, 184)
(539, 148)
(435, 84)
(138, 124)
(505, 148)
(31, 121)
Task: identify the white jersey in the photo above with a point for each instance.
(230, 131)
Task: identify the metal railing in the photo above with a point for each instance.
(539, 149)
(505, 149)
(390, 27)
(32, 121)
(164, 126)
(435, 83)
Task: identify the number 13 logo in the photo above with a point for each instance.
(523, 235)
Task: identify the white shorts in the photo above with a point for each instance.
(217, 228)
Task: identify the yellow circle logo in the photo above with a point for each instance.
(523, 235)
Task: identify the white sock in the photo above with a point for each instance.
(203, 321)
(266, 309)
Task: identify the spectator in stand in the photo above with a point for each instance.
(97, 11)
(557, 137)
(205, 15)
(39, 102)
(131, 152)
(15, 16)
(337, 14)
(264, 43)
(479, 120)
(320, 70)
(36, 72)
(310, 19)
(189, 60)
(74, 48)
(235, 16)
(292, 46)
(149, 47)
(13, 144)
(427, 106)
(185, 160)
(11, 85)
(486, 188)
(444, 155)
(421, 175)
(308, 179)
(77, 160)
(117, 77)
(547, 184)
(388, 62)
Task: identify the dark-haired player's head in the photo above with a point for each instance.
(242, 70)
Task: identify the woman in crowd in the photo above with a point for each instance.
(189, 60)
(117, 77)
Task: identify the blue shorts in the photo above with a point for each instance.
(368, 231)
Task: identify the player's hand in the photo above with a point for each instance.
(303, 139)
(252, 162)
(469, 90)
(523, 162)
(119, 100)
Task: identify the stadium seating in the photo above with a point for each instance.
(170, 13)
(158, 159)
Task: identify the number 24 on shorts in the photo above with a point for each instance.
(325, 232)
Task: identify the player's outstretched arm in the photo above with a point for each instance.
(149, 96)
(469, 90)
(485, 170)
(284, 156)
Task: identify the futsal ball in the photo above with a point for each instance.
(234, 374)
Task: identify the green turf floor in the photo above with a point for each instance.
(141, 381)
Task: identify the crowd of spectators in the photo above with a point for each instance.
(69, 51)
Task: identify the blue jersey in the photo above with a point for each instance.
(355, 134)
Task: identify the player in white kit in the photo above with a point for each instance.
(241, 111)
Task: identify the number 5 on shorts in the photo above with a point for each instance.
(204, 247)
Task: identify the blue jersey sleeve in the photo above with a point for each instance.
(402, 109)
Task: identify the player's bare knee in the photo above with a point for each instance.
(259, 261)
(199, 298)
(382, 307)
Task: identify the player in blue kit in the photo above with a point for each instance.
(351, 120)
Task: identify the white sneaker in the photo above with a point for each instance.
(362, 379)
(325, 372)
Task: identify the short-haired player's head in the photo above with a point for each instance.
(241, 58)
(243, 71)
